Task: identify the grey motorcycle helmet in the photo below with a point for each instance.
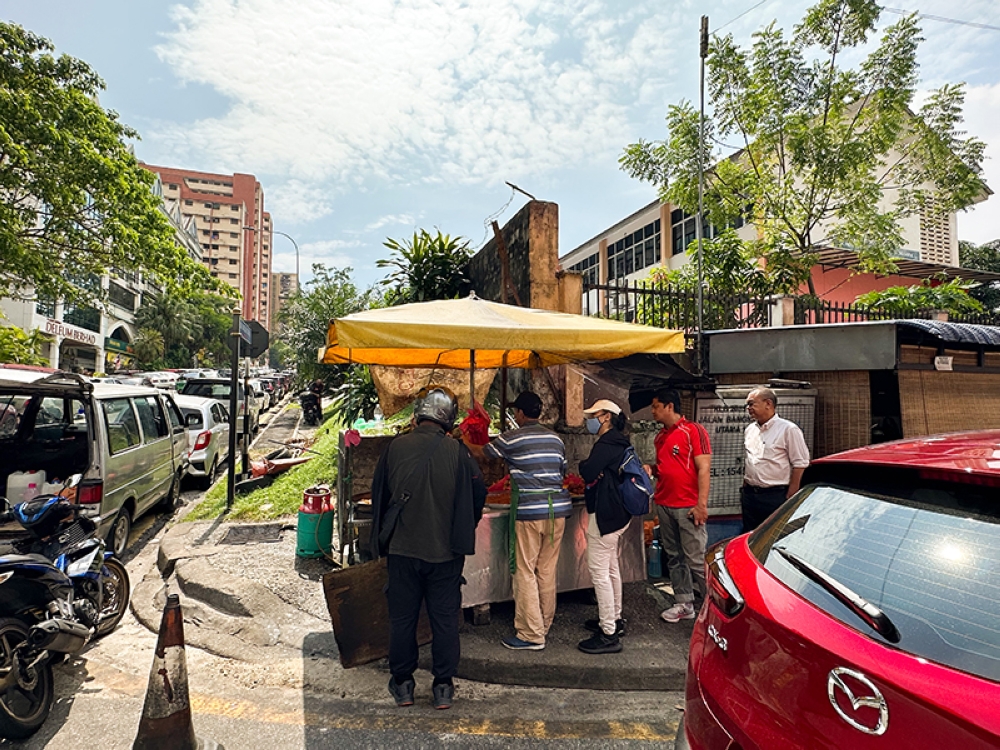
(437, 403)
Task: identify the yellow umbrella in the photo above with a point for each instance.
(475, 333)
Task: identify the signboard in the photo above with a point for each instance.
(67, 331)
(907, 254)
(943, 364)
(116, 345)
(245, 333)
(259, 340)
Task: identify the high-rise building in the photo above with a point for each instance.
(233, 228)
(283, 286)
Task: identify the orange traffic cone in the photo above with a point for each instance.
(166, 713)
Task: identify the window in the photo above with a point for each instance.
(154, 424)
(635, 251)
(233, 234)
(234, 207)
(123, 427)
(234, 221)
(234, 248)
(232, 275)
(232, 261)
(188, 203)
(205, 232)
(172, 186)
(208, 205)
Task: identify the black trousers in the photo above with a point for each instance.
(439, 585)
(757, 503)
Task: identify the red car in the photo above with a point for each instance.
(865, 613)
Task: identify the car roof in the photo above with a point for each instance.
(193, 402)
(974, 452)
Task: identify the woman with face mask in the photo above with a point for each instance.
(607, 521)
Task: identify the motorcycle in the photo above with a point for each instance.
(310, 408)
(61, 590)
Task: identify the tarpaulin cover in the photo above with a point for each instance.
(443, 333)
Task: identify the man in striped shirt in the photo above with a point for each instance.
(536, 457)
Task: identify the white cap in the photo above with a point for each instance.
(602, 404)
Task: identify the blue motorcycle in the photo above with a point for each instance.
(59, 590)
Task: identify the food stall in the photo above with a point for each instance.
(470, 334)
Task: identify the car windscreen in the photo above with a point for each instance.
(925, 551)
(207, 390)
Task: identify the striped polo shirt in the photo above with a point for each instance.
(536, 458)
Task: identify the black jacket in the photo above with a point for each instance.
(469, 493)
(600, 472)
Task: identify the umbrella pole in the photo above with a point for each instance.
(472, 380)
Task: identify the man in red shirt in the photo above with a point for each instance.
(683, 463)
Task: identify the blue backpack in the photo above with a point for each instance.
(636, 486)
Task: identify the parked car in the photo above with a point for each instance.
(128, 442)
(863, 613)
(165, 380)
(258, 393)
(219, 389)
(207, 423)
(273, 388)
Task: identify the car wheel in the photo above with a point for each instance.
(120, 529)
(209, 478)
(169, 501)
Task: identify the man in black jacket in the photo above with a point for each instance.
(427, 497)
(608, 520)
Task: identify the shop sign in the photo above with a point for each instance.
(56, 328)
(116, 345)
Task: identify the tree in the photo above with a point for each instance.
(304, 319)
(931, 294)
(149, 349)
(985, 258)
(428, 267)
(192, 328)
(21, 347)
(820, 145)
(74, 202)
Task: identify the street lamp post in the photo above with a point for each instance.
(294, 243)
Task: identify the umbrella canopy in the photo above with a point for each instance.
(449, 333)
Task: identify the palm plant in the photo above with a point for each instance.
(427, 267)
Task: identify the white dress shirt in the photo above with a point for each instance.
(772, 450)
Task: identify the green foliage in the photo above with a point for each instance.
(356, 396)
(428, 267)
(149, 349)
(985, 258)
(730, 269)
(305, 318)
(284, 497)
(21, 347)
(828, 155)
(931, 294)
(192, 328)
(74, 202)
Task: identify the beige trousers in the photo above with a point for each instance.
(534, 582)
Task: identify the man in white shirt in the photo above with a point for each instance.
(775, 458)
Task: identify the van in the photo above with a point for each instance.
(129, 442)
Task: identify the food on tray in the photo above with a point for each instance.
(575, 484)
(498, 498)
(502, 485)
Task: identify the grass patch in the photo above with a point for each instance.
(282, 498)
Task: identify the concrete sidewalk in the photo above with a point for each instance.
(255, 600)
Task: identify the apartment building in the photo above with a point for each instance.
(283, 286)
(233, 229)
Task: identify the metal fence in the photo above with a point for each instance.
(669, 307)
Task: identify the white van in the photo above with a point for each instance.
(129, 442)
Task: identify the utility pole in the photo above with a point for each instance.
(699, 231)
(234, 420)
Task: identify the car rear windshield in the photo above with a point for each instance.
(923, 549)
(208, 390)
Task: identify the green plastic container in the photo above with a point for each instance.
(315, 534)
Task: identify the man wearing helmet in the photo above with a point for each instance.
(427, 498)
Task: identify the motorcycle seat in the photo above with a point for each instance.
(21, 559)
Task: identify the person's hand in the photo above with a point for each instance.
(698, 514)
(649, 470)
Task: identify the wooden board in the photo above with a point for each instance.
(358, 608)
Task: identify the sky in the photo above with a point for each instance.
(370, 119)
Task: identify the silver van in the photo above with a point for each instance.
(129, 442)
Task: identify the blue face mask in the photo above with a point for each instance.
(593, 425)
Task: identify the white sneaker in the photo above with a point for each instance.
(678, 612)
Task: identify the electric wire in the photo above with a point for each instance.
(942, 19)
(727, 23)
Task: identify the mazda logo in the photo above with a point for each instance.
(864, 695)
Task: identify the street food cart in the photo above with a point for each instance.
(471, 334)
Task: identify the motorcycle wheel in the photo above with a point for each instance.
(116, 588)
(23, 709)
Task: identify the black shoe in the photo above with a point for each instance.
(444, 694)
(594, 626)
(599, 643)
(403, 692)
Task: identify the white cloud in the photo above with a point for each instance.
(297, 202)
(982, 119)
(412, 90)
(390, 220)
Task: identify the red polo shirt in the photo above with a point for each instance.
(676, 474)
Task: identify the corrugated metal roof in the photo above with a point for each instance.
(964, 333)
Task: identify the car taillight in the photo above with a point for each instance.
(90, 494)
(722, 589)
(202, 441)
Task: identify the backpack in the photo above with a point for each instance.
(636, 487)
